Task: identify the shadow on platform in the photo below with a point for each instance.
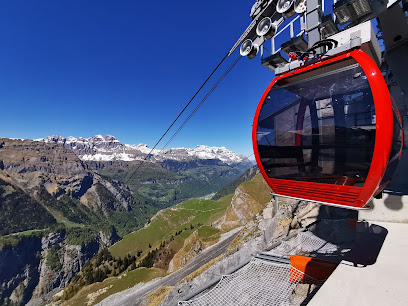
(358, 242)
(368, 244)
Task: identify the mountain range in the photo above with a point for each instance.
(108, 148)
(165, 177)
(64, 199)
(55, 214)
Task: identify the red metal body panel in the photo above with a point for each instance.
(384, 127)
(347, 196)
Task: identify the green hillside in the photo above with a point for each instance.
(170, 221)
(170, 235)
(96, 292)
(164, 187)
(19, 212)
(146, 253)
(230, 188)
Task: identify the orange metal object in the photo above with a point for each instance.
(316, 268)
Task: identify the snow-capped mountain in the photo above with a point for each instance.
(108, 148)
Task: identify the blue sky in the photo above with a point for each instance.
(126, 68)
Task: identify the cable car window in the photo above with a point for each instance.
(396, 146)
(321, 129)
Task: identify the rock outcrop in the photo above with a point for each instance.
(35, 268)
(246, 203)
(33, 165)
(46, 188)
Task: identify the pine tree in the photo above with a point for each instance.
(120, 262)
(107, 271)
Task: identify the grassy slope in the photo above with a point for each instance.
(19, 212)
(230, 188)
(258, 189)
(112, 285)
(165, 224)
(208, 233)
(168, 222)
(165, 188)
(178, 241)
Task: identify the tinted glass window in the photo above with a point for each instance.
(321, 129)
(395, 148)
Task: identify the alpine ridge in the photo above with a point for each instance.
(108, 148)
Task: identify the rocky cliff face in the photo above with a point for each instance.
(82, 206)
(192, 247)
(46, 188)
(25, 156)
(34, 165)
(246, 203)
(35, 268)
(19, 271)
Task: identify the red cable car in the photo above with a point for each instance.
(328, 132)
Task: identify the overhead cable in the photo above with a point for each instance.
(203, 100)
(191, 115)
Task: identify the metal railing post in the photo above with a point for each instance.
(275, 198)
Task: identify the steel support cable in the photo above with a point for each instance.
(195, 110)
(175, 120)
(191, 114)
(202, 101)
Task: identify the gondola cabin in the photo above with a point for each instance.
(328, 132)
